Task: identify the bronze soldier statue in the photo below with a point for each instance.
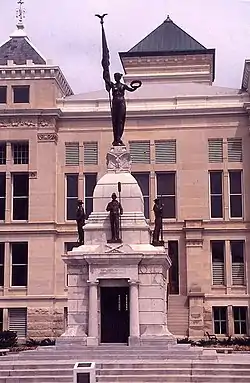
(115, 210)
(118, 106)
(80, 219)
(158, 211)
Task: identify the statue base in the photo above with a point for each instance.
(158, 243)
(114, 241)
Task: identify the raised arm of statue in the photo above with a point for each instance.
(121, 209)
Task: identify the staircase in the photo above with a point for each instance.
(125, 364)
(178, 315)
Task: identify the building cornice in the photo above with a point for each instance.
(31, 71)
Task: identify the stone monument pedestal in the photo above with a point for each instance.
(117, 292)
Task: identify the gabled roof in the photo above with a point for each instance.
(168, 37)
(20, 49)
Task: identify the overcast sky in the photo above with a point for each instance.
(67, 32)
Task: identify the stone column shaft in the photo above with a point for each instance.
(134, 310)
(93, 314)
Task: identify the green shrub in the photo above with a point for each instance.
(8, 339)
(44, 342)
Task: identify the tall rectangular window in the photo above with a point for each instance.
(218, 262)
(1, 319)
(21, 94)
(3, 94)
(19, 264)
(2, 153)
(173, 253)
(143, 182)
(140, 152)
(72, 196)
(240, 320)
(18, 321)
(234, 149)
(2, 195)
(216, 194)
(235, 189)
(220, 320)
(2, 252)
(238, 268)
(90, 180)
(20, 152)
(165, 152)
(20, 196)
(166, 193)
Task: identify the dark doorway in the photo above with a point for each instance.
(114, 314)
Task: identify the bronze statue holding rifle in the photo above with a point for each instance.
(118, 103)
(158, 211)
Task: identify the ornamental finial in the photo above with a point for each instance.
(20, 14)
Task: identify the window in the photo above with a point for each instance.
(2, 195)
(89, 186)
(166, 192)
(235, 189)
(174, 269)
(143, 182)
(140, 152)
(18, 321)
(1, 319)
(20, 196)
(216, 196)
(90, 153)
(72, 153)
(3, 94)
(234, 150)
(218, 251)
(237, 254)
(21, 94)
(165, 152)
(215, 150)
(240, 320)
(20, 153)
(65, 316)
(2, 153)
(220, 320)
(2, 247)
(19, 254)
(72, 196)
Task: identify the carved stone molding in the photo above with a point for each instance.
(45, 137)
(33, 175)
(14, 122)
(118, 159)
(44, 122)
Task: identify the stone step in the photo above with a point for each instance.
(38, 372)
(172, 371)
(36, 379)
(174, 378)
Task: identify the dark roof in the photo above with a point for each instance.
(168, 37)
(19, 50)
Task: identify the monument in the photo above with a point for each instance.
(117, 280)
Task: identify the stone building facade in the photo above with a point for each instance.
(189, 145)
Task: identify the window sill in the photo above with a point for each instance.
(18, 288)
(20, 221)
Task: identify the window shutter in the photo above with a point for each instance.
(72, 153)
(90, 153)
(165, 152)
(234, 149)
(215, 150)
(18, 321)
(238, 274)
(218, 273)
(140, 152)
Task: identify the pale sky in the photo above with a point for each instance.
(67, 32)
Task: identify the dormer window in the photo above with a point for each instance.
(21, 94)
(3, 94)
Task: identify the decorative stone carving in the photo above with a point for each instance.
(17, 122)
(32, 175)
(118, 159)
(45, 122)
(44, 137)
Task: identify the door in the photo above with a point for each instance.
(114, 314)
